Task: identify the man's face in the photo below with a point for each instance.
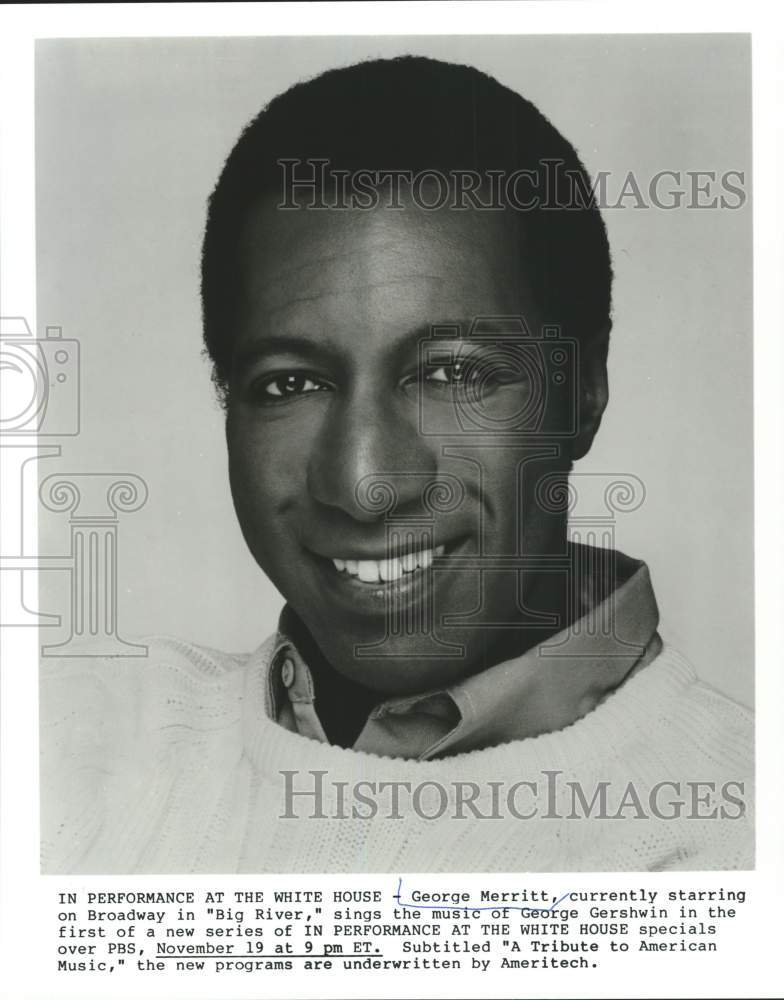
(360, 492)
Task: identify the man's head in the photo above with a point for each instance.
(390, 397)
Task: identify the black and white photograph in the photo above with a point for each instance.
(396, 287)
(379, 494)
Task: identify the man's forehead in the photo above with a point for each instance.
(301, 255)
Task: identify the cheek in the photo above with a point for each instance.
(262, 478)
(523, 488)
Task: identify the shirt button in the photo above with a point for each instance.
(287, 673)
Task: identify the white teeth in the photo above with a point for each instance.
(390, 569)
(373, 570)
(367, 570)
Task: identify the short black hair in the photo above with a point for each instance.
(414, 113)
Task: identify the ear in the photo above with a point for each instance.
(593, 393)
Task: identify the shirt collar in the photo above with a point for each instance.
(545, 689)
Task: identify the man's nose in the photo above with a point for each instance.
(370, 458)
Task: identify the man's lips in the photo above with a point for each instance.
(396, 546)
(388, 570)
(399, 574)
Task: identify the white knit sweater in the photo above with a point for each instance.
(172, 765)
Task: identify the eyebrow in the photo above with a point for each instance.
(305, 347)
(257, 350)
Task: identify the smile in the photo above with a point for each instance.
(415, 568)
(388, 570)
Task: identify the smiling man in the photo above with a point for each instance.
(406, 292)
(328, 386)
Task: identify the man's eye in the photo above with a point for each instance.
(287, 385)
(437, 375)
(454, 374)
(474, 375)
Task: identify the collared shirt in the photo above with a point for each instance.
(545, 689)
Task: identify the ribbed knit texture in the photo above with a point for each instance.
(171, 765)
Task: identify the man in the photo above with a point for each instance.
(406, 299)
